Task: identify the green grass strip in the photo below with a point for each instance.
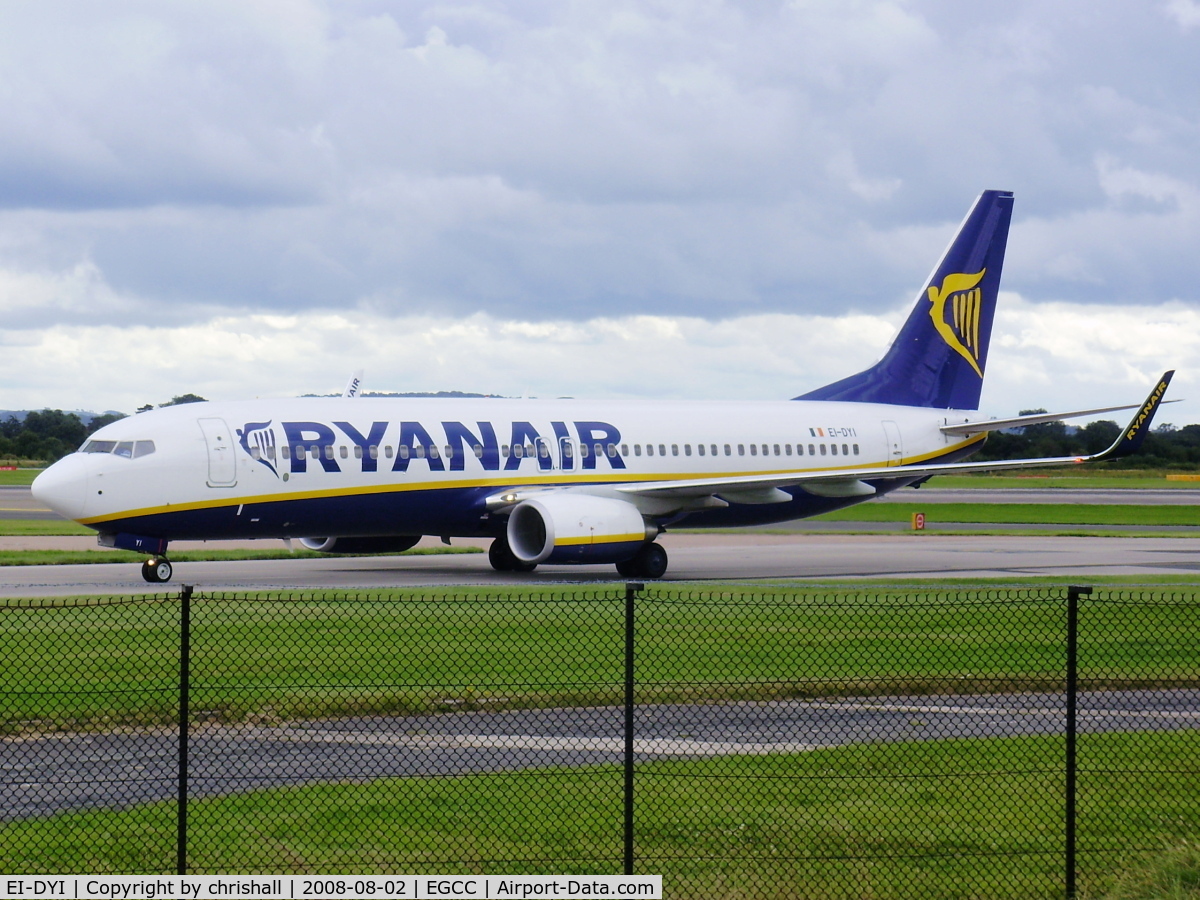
(88, 557)
(1019, 513)
(936, 819)
(40, 527)
(109, 664)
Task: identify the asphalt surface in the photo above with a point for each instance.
(47, 775)
(696, 557)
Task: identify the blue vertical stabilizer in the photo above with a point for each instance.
(939, 356)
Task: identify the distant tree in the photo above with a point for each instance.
(100, 421)
(56, 425)
(186, 398)
(146, 408)
(1098, 436)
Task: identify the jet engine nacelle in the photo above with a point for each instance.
(385, 544)
(576, 528)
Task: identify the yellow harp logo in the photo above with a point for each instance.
(965, 300)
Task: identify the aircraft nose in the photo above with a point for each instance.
(63, 486)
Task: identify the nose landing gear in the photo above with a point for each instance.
(157, 570)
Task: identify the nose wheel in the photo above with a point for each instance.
(157, 570)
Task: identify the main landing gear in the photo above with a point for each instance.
(650, 562)
(502, 558)
(157, 569)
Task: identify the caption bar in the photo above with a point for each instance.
(308, 887)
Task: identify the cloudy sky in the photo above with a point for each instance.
(594, 199)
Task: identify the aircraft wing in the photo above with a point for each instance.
(853, 482)
(1034, 419)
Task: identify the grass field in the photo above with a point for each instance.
(950, 818)
(109, 664)
(937, 819)
(1019, 513)
(20, 476)
(84, 557)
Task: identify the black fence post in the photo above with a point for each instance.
(1074, 592)
(185, 677)
(631, 592)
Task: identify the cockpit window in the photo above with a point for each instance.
(126, 449)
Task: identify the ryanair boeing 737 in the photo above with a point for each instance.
(563, 481)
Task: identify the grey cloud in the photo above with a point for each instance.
(547, 160)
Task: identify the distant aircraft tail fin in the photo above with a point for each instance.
(940, 355)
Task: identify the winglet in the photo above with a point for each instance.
(1130, 440)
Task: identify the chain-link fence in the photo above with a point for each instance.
(968, 744)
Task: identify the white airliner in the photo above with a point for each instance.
(563, 481)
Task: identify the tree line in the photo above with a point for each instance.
(50, 434)
(1166, 446)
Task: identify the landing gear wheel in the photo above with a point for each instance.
(648, 562)
(501, 557)
(157, 570)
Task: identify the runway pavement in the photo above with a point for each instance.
(693, 557)
(50, 774)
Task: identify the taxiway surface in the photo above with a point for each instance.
(693, 557)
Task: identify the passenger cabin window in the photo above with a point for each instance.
(741, 449)
(344, 452)
(713, 447)
(822, 449)
(728, 450)
(754, 449)
(649, 449)
(856, 449)
(833, 449)
(812, 451)
(637, 449)
(674, 449)
(662, 449)
(845, 450)
(787, 448)
(700, 449)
